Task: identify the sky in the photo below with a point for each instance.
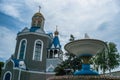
(100, 19)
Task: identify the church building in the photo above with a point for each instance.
(36, 55)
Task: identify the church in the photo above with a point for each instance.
(36, 55)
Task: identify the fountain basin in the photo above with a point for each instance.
(85, 46)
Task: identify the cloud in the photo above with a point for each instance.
(10, 10)
(7, 42)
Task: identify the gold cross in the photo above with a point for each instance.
(39, 8)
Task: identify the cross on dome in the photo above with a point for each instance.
(39, 8)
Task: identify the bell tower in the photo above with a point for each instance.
(54, 55)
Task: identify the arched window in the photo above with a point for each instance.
(22, 49)
(50, 68)
(56, 54)
(38, 47)
(7, 76)
(51, 54)
(55, 51)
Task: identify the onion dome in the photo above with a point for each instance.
(38, 20)
(38, 14)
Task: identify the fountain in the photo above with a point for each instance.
(85, 48)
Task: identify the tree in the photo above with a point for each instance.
(113, 56)
(107, 60)
(1, 65)
(99, 62)
(67, 67)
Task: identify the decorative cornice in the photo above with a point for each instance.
(35, 33)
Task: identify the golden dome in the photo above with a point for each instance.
(38, 14)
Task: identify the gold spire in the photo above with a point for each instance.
(39, 13)
(56, 32)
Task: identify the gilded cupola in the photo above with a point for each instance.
(38, 20)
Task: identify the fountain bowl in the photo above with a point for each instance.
(85, 47)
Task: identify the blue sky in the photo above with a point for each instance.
(100, 19)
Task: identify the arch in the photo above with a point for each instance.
(7, 76)
(22, 49)
(51, 54)
(38, 50)
(8, 62)
(55, 51)
(50, 68)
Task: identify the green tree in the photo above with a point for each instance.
(1, 65)
(107, 60)
(113, 56)
(67, 67)
(99, 62)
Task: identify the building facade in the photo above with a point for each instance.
(36, 54)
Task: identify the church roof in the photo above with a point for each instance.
(56, 42)
(16, 62)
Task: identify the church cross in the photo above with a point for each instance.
(39, 8)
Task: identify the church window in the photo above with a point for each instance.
(22, 49)
(7, 76)
(38, 46)
(51, 54)
(55, 51)
(56, 54)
